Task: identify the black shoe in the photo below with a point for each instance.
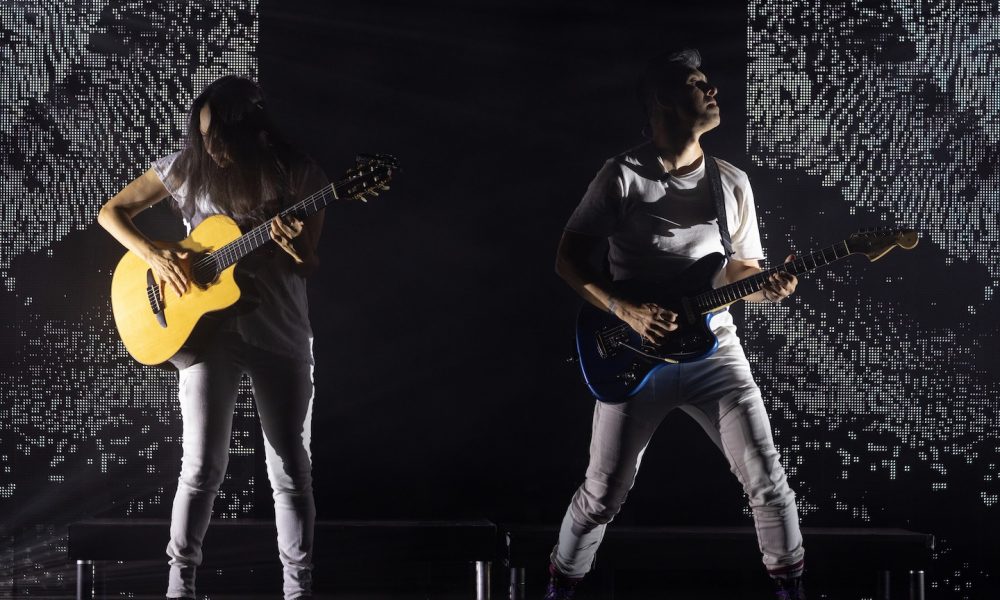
(560, 586)
(791, 588)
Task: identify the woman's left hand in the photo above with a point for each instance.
(283, 231)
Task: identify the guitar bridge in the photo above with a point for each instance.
(155, 298)
(610, 340)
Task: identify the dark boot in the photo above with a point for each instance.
(791, 588)
(560, 586)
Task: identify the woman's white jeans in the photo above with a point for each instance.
(283, 391)
(720, 394)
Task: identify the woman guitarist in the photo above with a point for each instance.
(234, 163)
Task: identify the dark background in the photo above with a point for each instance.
(442, 332)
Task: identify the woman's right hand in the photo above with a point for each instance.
(170, 266)
(649, 320)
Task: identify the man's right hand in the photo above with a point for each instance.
(170, 266)
(649, 320)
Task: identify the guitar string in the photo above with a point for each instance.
(734, 291)
(758, 279)
(233, 251)
(710, 299)
(752, 281)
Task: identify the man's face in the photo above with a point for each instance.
(694, 102)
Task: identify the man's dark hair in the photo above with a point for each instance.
(663, 74)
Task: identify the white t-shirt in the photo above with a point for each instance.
(280, 322)
(657, 224)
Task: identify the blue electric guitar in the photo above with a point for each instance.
(617, 362)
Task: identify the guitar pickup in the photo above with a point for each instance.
(602, 349)
(155, 296)
(609, 341)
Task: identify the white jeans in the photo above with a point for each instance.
(720, 394)
(283, 391)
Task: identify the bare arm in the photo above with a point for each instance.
(574, 265)
(298, 238)
(778, 287)
(116, 217)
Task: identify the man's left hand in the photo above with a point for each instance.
(780, 285)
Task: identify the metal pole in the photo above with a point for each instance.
(517, 583)
(916, 585)
(483, 580)
(884, 592)
(84, 580)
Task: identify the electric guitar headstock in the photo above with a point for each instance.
(877, 241)
(371, 174)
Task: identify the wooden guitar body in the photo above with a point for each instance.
(155, 323)
(153, 337)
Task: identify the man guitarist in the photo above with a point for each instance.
(658, 208)
(235, 164)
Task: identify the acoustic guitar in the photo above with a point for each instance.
(155, 323)
(617, 362)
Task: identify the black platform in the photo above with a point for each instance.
(868, 555)
(722, 555)
(252, 544)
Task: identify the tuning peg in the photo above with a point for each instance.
(384, 188)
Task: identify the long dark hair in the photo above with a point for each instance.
(255, 177)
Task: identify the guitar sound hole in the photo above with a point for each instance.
(204, 270)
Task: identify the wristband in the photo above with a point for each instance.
(612, 305)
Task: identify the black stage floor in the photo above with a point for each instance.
(455, 582)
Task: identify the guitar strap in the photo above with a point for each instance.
(715, 180)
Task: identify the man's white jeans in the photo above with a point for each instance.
(720, 394)
(283, 391)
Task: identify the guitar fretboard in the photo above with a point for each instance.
(727, 294)
(261, 234)
(235, 250)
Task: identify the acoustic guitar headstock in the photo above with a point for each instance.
(371, 174)
(877, 241)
